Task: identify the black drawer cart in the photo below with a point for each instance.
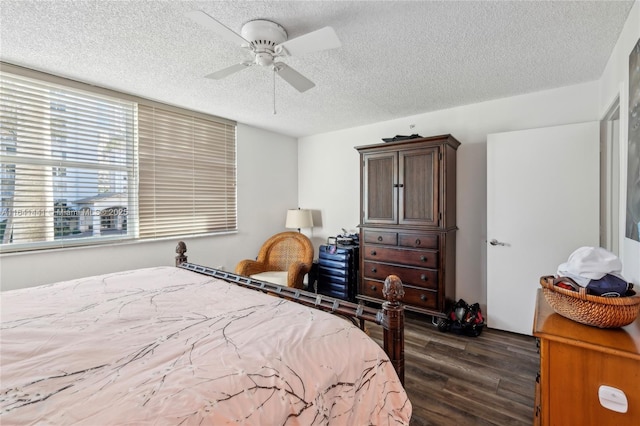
(338, 271)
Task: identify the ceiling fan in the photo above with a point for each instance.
(267, 42)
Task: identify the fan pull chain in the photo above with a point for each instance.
(274, 90)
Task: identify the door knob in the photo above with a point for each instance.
(495, 242)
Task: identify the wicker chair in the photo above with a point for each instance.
(284, 259)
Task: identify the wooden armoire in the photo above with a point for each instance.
(408, 221)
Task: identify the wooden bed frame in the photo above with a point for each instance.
(390, 316)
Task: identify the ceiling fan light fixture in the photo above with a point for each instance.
(264, 59)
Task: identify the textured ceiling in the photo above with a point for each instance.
(398, 58)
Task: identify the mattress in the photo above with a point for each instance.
(169, 346)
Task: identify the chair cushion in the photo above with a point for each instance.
(275, 277)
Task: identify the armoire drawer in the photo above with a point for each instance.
(381, 237)
(419, 258)
(413, 296)
(428, 241)
(424, 278)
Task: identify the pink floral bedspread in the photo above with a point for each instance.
(166, 346)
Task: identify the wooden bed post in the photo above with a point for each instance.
(181, 249)
(393, 323)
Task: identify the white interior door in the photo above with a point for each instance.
(542, 204)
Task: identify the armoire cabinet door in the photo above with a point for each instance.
(418, 187)
(380, 191)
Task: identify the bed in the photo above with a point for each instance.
(191, 345)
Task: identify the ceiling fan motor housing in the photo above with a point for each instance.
(263, 37)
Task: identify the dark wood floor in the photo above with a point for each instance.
(460, 380)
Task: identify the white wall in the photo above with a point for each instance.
(329, 173)
(615, 82)
(267, 187)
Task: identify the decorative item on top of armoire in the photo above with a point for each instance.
(402, 138)
(408, 221)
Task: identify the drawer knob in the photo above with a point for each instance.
(379, 237)
(423, 297)
(374, 288)
(374, 270)
(423, 277)
(373, 253)
(423, 258)
(417, 241)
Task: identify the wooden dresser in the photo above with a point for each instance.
(575, 360)
(408, 220)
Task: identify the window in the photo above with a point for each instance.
(83, 165)
(67, 160)
(187, 174)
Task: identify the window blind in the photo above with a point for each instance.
(67, 165)
(187, 173)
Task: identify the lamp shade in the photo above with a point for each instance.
(299, 218)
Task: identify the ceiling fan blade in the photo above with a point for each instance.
(218, 75)
(322, 39)
(293, 77)
(217, 27)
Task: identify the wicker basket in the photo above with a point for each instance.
(597, 311)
